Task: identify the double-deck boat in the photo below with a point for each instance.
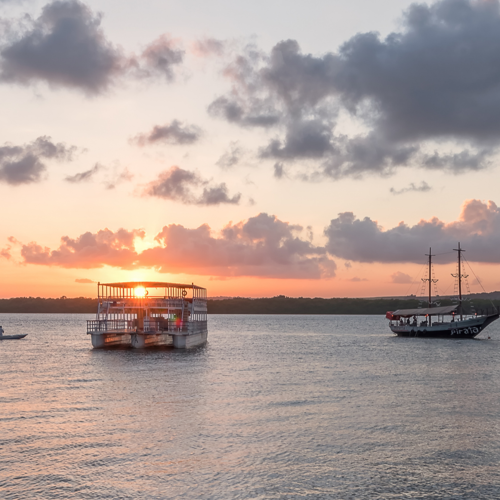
(447, 322)
(146, 313)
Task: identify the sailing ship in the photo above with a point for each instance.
(446, 322)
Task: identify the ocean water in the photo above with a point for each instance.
(272, 407)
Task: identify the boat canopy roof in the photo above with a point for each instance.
(151, 284)
(424, 312)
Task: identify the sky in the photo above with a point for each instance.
(307, 149)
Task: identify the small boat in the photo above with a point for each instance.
(10, 337)
(447, 322)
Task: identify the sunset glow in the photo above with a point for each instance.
(140, 292)
(209, 152)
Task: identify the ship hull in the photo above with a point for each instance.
(466, 329)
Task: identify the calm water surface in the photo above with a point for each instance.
(272, 407)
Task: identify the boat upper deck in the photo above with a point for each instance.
(140, 289)
(149, 306)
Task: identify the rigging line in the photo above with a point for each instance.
(416, 280)
(442, 253)
(477, 279)
(447, 288)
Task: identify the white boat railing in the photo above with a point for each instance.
(107, 325)
(151, 325)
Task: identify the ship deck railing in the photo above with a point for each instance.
(151, 326)
(150, 301)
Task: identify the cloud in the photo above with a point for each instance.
(174, 133)
(66, 47)
(118, 177)
(279, 170)
(262, 246)
(5, 253)
(207, 47)
(84, 281)
(357, 280)
(401, 278)
(304, 139)
(84, 176)
(177, 184)
(26, 164)
(88, 251)
(159, 59)
(363, 240)
(231, 157)
(432, 82)
(433, 79)
(422, 188)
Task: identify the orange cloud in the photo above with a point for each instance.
(262, 246)
(87, 251)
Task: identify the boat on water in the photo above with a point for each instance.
(145, 314)
(10, 337)
(446, 322)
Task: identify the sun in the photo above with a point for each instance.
(140, 292)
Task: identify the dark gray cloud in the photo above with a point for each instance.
(174, 133)
(423, 187)
(215, 195)
(458, 162)
(304, 139)
(363, 240)
(181, 185)
(66, 46)
(231, 157)
(258, 114)
(26, 164)
(435, 80)
(438, 77)
(84, 176)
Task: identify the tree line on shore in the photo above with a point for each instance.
(239, 305)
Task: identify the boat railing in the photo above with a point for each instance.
(154, 303)
(109, 325)
(151, 325)
(161, 325)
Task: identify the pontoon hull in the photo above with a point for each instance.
(466, 329)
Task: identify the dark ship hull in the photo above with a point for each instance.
(466, 329)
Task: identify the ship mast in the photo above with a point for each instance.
(430, 280)
(459, 275)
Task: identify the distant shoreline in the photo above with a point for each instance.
(238, 305)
